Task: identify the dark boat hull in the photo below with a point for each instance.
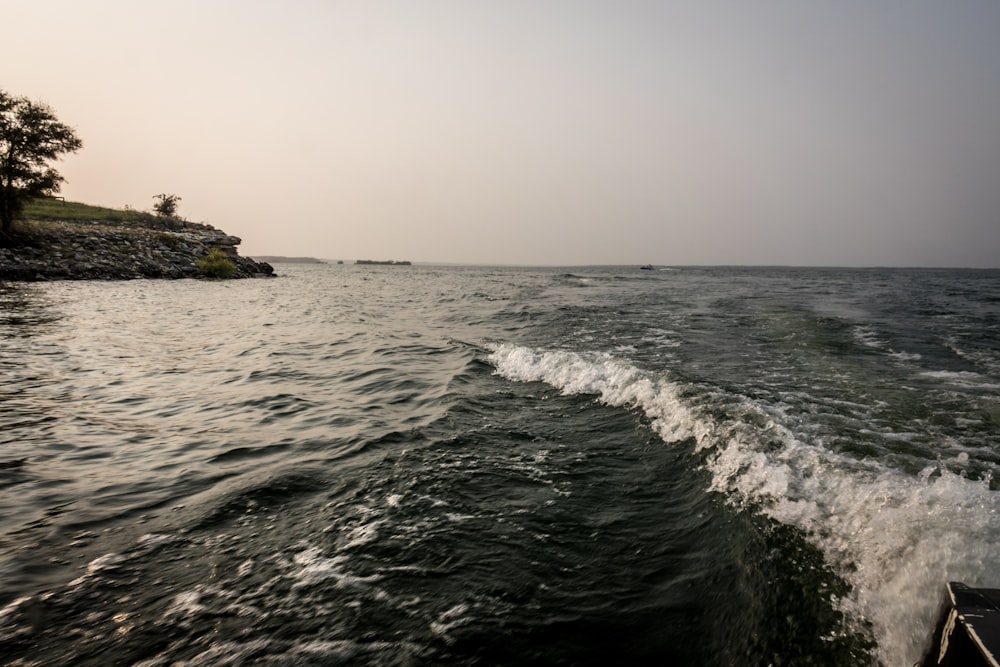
(968, 634)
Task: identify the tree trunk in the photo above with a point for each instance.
(6, 216)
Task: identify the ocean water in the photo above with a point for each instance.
(497, 466)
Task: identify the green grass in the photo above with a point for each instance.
(216, 265)
(55, 209)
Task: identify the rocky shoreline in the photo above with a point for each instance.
(118, 250)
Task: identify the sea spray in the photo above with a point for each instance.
(894, 537)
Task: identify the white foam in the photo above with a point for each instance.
(454, 617)
(314, 568)
(218, 654)
(617, 383)
(245, 568)
(98, 565)
(952, 375)
(363, 534)
(962, 379)
(896, 538)
(985, 359)
(865, 335)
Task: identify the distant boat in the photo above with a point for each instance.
(648, 267)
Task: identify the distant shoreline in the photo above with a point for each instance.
(279, 259)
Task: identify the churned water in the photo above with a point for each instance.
(460, 465)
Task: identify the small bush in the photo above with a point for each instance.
(167, 206)
(216, 265)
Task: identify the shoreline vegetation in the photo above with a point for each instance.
(59, 240)
(388, 262)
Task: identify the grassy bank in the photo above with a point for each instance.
(76, 241)
(56, 209)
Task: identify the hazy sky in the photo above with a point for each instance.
(536, 132)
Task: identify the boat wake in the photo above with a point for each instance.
(896, 538)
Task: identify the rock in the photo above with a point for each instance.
(80, 250)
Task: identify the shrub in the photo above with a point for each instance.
(216, 265)
(167, 206)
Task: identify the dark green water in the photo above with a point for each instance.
(427, 465)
